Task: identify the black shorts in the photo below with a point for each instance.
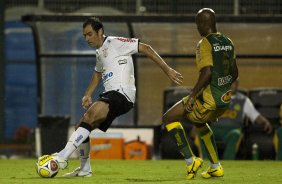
(118, 105)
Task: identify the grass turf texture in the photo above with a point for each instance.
(150, 172)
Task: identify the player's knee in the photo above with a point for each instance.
(235, 133)
(92, 116)
(87, 117)
(233, 136)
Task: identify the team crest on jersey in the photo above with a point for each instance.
(105, 52)
(122, 61)
(226, 97)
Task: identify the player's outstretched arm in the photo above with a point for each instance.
(86, 99)
(174, 76)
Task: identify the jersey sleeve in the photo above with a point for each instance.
(234, 54)
(126, 46)
(250, 111)
(204, 54)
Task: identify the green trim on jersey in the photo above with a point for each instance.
(223, 66)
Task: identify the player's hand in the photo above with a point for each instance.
(268, 127)
(189, 104)
(86, 102)
(175, 76)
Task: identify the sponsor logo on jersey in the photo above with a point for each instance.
(226, 97)
(217, 47)
(123, 61)
(107, 76)
(224, 80)
(126, 40)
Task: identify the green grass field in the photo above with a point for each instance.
(150, 172)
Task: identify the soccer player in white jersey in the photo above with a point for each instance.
(114, 67)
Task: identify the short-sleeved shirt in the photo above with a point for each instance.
(250, 111)
(217, 51)
(114, 61)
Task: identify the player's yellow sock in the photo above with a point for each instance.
(208, 140)
(178, 135)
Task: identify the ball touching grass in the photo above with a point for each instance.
(47, 166)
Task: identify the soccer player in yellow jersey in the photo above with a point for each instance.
(210, 97)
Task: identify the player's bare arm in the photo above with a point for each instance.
(260, 120)
(174, 76)
(95, 80)
(203, 81)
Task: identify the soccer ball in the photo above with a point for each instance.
(47, 166)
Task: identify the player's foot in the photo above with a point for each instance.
(62, 163)
(193, 168)
(216, 172)
(78, 173)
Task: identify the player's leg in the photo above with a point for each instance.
(201, 114)
(96, 114)
(84, 155)
(232, 143)
(207, 137)
(118, 105)
(175, 130)
(277, 140)
(84, 151)
(84, 169)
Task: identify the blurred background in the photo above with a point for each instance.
(46, 65)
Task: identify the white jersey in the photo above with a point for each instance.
(250, 111)
(114, 61)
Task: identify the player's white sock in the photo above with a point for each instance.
(213, 166)
(189, 161)
(84, 150)
(75, 140)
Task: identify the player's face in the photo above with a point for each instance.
(92, 37)
(200, 27)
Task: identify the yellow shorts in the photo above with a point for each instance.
(201, 114)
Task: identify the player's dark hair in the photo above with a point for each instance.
(95, 23)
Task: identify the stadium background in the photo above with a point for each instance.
(64, 78)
